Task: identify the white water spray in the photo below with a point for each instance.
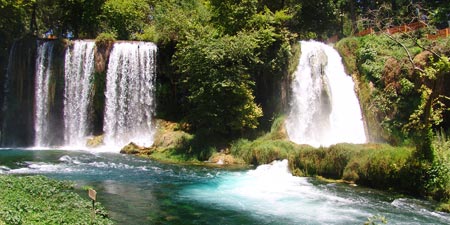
(43, 73)
(276, 196)
(324, 106)
(79, 67)
(130, 102)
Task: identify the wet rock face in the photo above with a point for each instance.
(18, 95)
(101, 56)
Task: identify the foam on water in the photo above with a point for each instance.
(69, 164)
(271, 190)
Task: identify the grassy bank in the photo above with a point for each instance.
(379, 166)
(40, 200)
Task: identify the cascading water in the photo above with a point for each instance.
(324, 106)
(79, 67)
(43, 73)
(129, 94)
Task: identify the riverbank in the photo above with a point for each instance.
(41, 200)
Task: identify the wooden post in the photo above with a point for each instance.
(93, 195)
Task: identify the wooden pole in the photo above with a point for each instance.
(93, 195)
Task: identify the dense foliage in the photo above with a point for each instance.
(40, 200)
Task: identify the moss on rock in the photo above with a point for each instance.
(133, 148)
(225, 158)
(170, 135)
(95, 141)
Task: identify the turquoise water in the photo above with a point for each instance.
(140, 191)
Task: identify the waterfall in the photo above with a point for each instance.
(43, 73)
(79, 67)
(129, 94)
(324, 109)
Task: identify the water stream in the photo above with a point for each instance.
(140, 191)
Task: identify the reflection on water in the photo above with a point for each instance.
(138, 191)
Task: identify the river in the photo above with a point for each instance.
(141, 191)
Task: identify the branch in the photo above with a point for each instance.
(420, 45)
(407, 52)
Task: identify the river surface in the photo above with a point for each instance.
(140, 191)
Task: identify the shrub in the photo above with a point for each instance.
(438, 183)
(105, 39)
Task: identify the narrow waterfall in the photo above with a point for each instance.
(43, 73)
(79, 67)
(130, 102)
(324, 109)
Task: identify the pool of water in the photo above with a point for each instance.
(141, 191)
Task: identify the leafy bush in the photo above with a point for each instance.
(127, 17)
(40, 200)
(105, 39)
(438, 183)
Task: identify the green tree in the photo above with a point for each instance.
(320, 17)
(232, 16)
(174, 20)
(216, 75)
(81, 17)
(126, 17)
(14, 18)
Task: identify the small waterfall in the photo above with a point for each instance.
(324, 106)
(129, 94)
(79, 67)
(43, 73)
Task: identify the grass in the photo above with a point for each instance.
(271, 146)
(378, 166)
(40, 200)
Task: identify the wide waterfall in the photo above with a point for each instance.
(79, 68)
(42, 87)
(324, 107)
(129, 94)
